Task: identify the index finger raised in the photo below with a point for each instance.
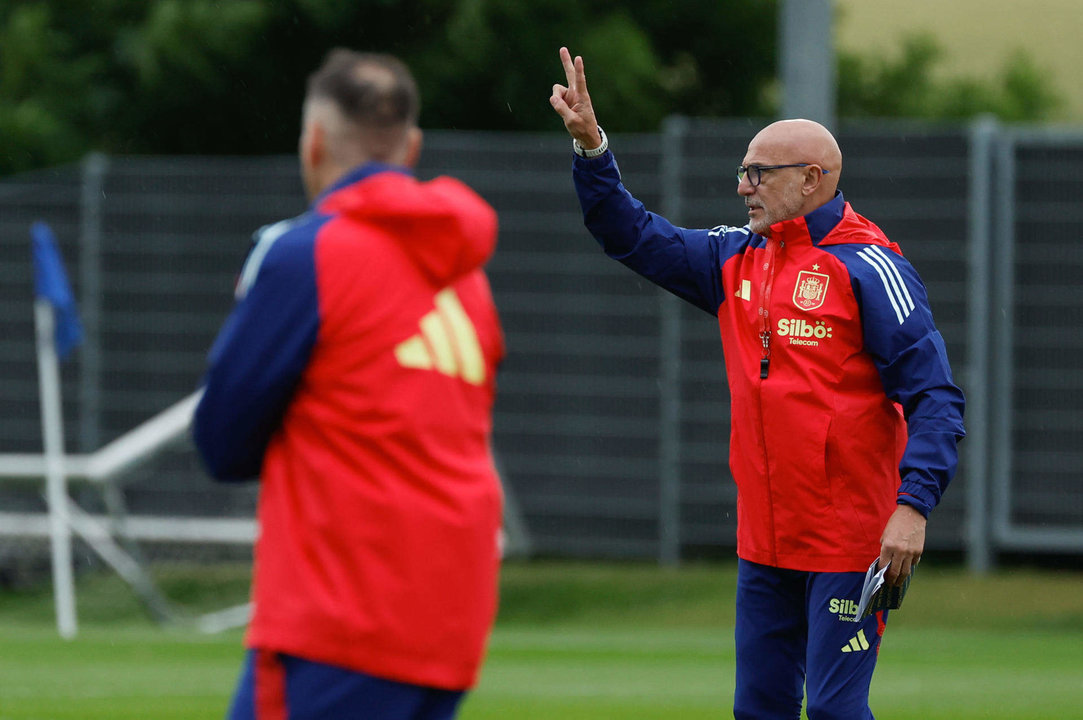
(569, 66)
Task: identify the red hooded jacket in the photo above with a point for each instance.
(355, 376)
(842, 400)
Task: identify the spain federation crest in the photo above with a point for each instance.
(811, 289)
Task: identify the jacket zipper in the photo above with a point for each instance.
(765, 364)
(765, 303)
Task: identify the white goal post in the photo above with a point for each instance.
(105, 467)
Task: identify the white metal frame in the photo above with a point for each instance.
(103, 467)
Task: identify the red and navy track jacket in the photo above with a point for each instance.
(355, 377)
(842, 399)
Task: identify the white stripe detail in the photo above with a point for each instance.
(889, 276)
(893, 270)
(724, 229)
(887, 287)
(267, 236)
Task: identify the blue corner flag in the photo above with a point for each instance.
(51, 283)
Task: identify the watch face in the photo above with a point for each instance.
(593, 153)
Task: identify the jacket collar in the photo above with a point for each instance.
(359, 173)
(817, 224)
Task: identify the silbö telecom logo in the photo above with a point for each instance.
(845, 608)
(803, 332)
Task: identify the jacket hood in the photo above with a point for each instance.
(854, 228)
(448, 230)
(834, 223)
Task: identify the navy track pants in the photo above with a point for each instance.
(795, 631)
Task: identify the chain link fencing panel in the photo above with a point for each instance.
(154, 245)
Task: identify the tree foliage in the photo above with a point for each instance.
(227, 76)
(909, 86)
(210, 76)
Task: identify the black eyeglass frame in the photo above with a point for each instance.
(755, 172)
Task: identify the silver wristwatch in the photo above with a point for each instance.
(584, 153)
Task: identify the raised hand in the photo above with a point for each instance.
(572, 103)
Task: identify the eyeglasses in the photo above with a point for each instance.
(755, 172)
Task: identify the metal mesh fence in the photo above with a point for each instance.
(610, 390)
(1044, 392)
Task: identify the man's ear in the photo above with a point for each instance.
(314, 145)
(813, 176)
(413, 147)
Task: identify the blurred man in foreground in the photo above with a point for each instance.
(845, 416)
(355, 378)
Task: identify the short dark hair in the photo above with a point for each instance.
(370, 89)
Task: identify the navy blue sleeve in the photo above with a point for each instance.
(909, 352)
(259, 355)
(685, 262)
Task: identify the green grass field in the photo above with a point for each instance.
(578, 641)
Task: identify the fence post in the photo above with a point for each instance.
(1002, 332)
(806, 60)
(674, 129)
(91, 212)
(982, 137)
